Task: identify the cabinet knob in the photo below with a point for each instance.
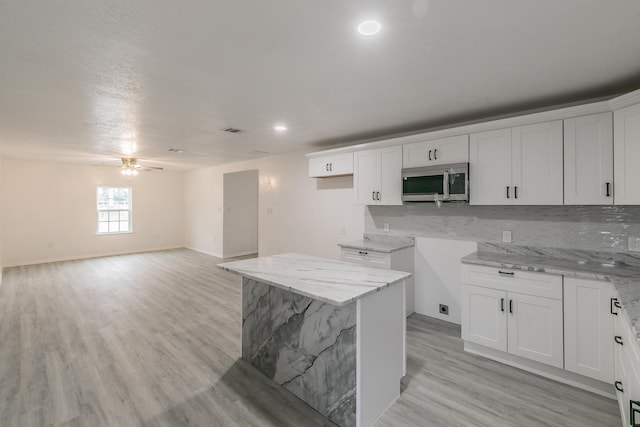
(618, 386)
(373, 195)
(435, 154)
(363, 252)
(618, 339)
(508, 192)
(608, 184)
(502, 305)
(515, 192)
(378, 195)
(429, 154)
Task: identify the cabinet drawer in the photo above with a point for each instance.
(524, 282)
(366, 258)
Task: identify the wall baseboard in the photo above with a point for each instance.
(241, 253)
(96, 255)
(202, 251)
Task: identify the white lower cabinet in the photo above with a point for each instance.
(627, 369)
(522, 323)
(401, 260)
(588, 328)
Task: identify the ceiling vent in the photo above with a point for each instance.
(232, 130)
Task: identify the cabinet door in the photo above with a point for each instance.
(490, 168)
(588, 160)
(537, 164)
(341, 164)
(535, 328)
(366, 176)
(588, 328)
(484, 317)
(454, 149)
(626, 153)
(390, 176)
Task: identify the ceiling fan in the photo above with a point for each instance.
(130, 166)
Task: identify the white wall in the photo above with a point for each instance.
(49, 211)
(296, 213)
(1, 225)
(240, 217)
(438, 276)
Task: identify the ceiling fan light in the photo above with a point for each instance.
(134, 172)
(123, 172)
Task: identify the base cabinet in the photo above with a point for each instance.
(401, 260)
(524, 325)
(627, 368)
(588, 328)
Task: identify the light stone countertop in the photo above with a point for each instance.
(333, 282)
(625, 278)
(380, 243)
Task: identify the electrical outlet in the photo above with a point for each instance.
(444, 309)
(506, 236)
(386, 226)
(634, 244)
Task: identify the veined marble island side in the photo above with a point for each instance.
(332, 333)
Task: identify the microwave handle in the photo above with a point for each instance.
(445, 185)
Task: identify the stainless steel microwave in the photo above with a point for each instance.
(448, 182)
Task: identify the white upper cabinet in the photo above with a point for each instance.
(378, 176)
(536, 154)
(588, 160)
(339, 164)
(454, 149)
(517, 166)
(626, 155)
(490, 167)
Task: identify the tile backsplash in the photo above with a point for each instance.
(591, 228)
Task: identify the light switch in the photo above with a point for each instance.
(506, 236)
(386, 226)
(634, 244)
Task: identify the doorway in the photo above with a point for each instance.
(240, 214)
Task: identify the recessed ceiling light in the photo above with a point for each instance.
(369, 28)
(280, 128)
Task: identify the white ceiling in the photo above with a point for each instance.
(89, 81)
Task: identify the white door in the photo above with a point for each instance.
(535, 328)
(366, 176)
(490, 168)
(626, 153)
(537, 164)
(484, 316)
(588, 160)
(588, 328)
(390, 173)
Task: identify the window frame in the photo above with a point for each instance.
(98, 211)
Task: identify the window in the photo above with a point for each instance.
(114, 209)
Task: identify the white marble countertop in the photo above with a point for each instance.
(625, 278)
(334, 282)
(377, 243)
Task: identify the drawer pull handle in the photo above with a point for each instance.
(618, 386)
(363, 252)
(618, 339)
(502, 304)
(614, 304)
(506, 273)
(633, 411)
(511, 306)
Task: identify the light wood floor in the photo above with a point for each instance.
(154, 339)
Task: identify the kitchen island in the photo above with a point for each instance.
(332, 333)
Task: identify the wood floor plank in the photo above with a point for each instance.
(153, 339)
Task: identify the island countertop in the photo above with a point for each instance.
(334, 282)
